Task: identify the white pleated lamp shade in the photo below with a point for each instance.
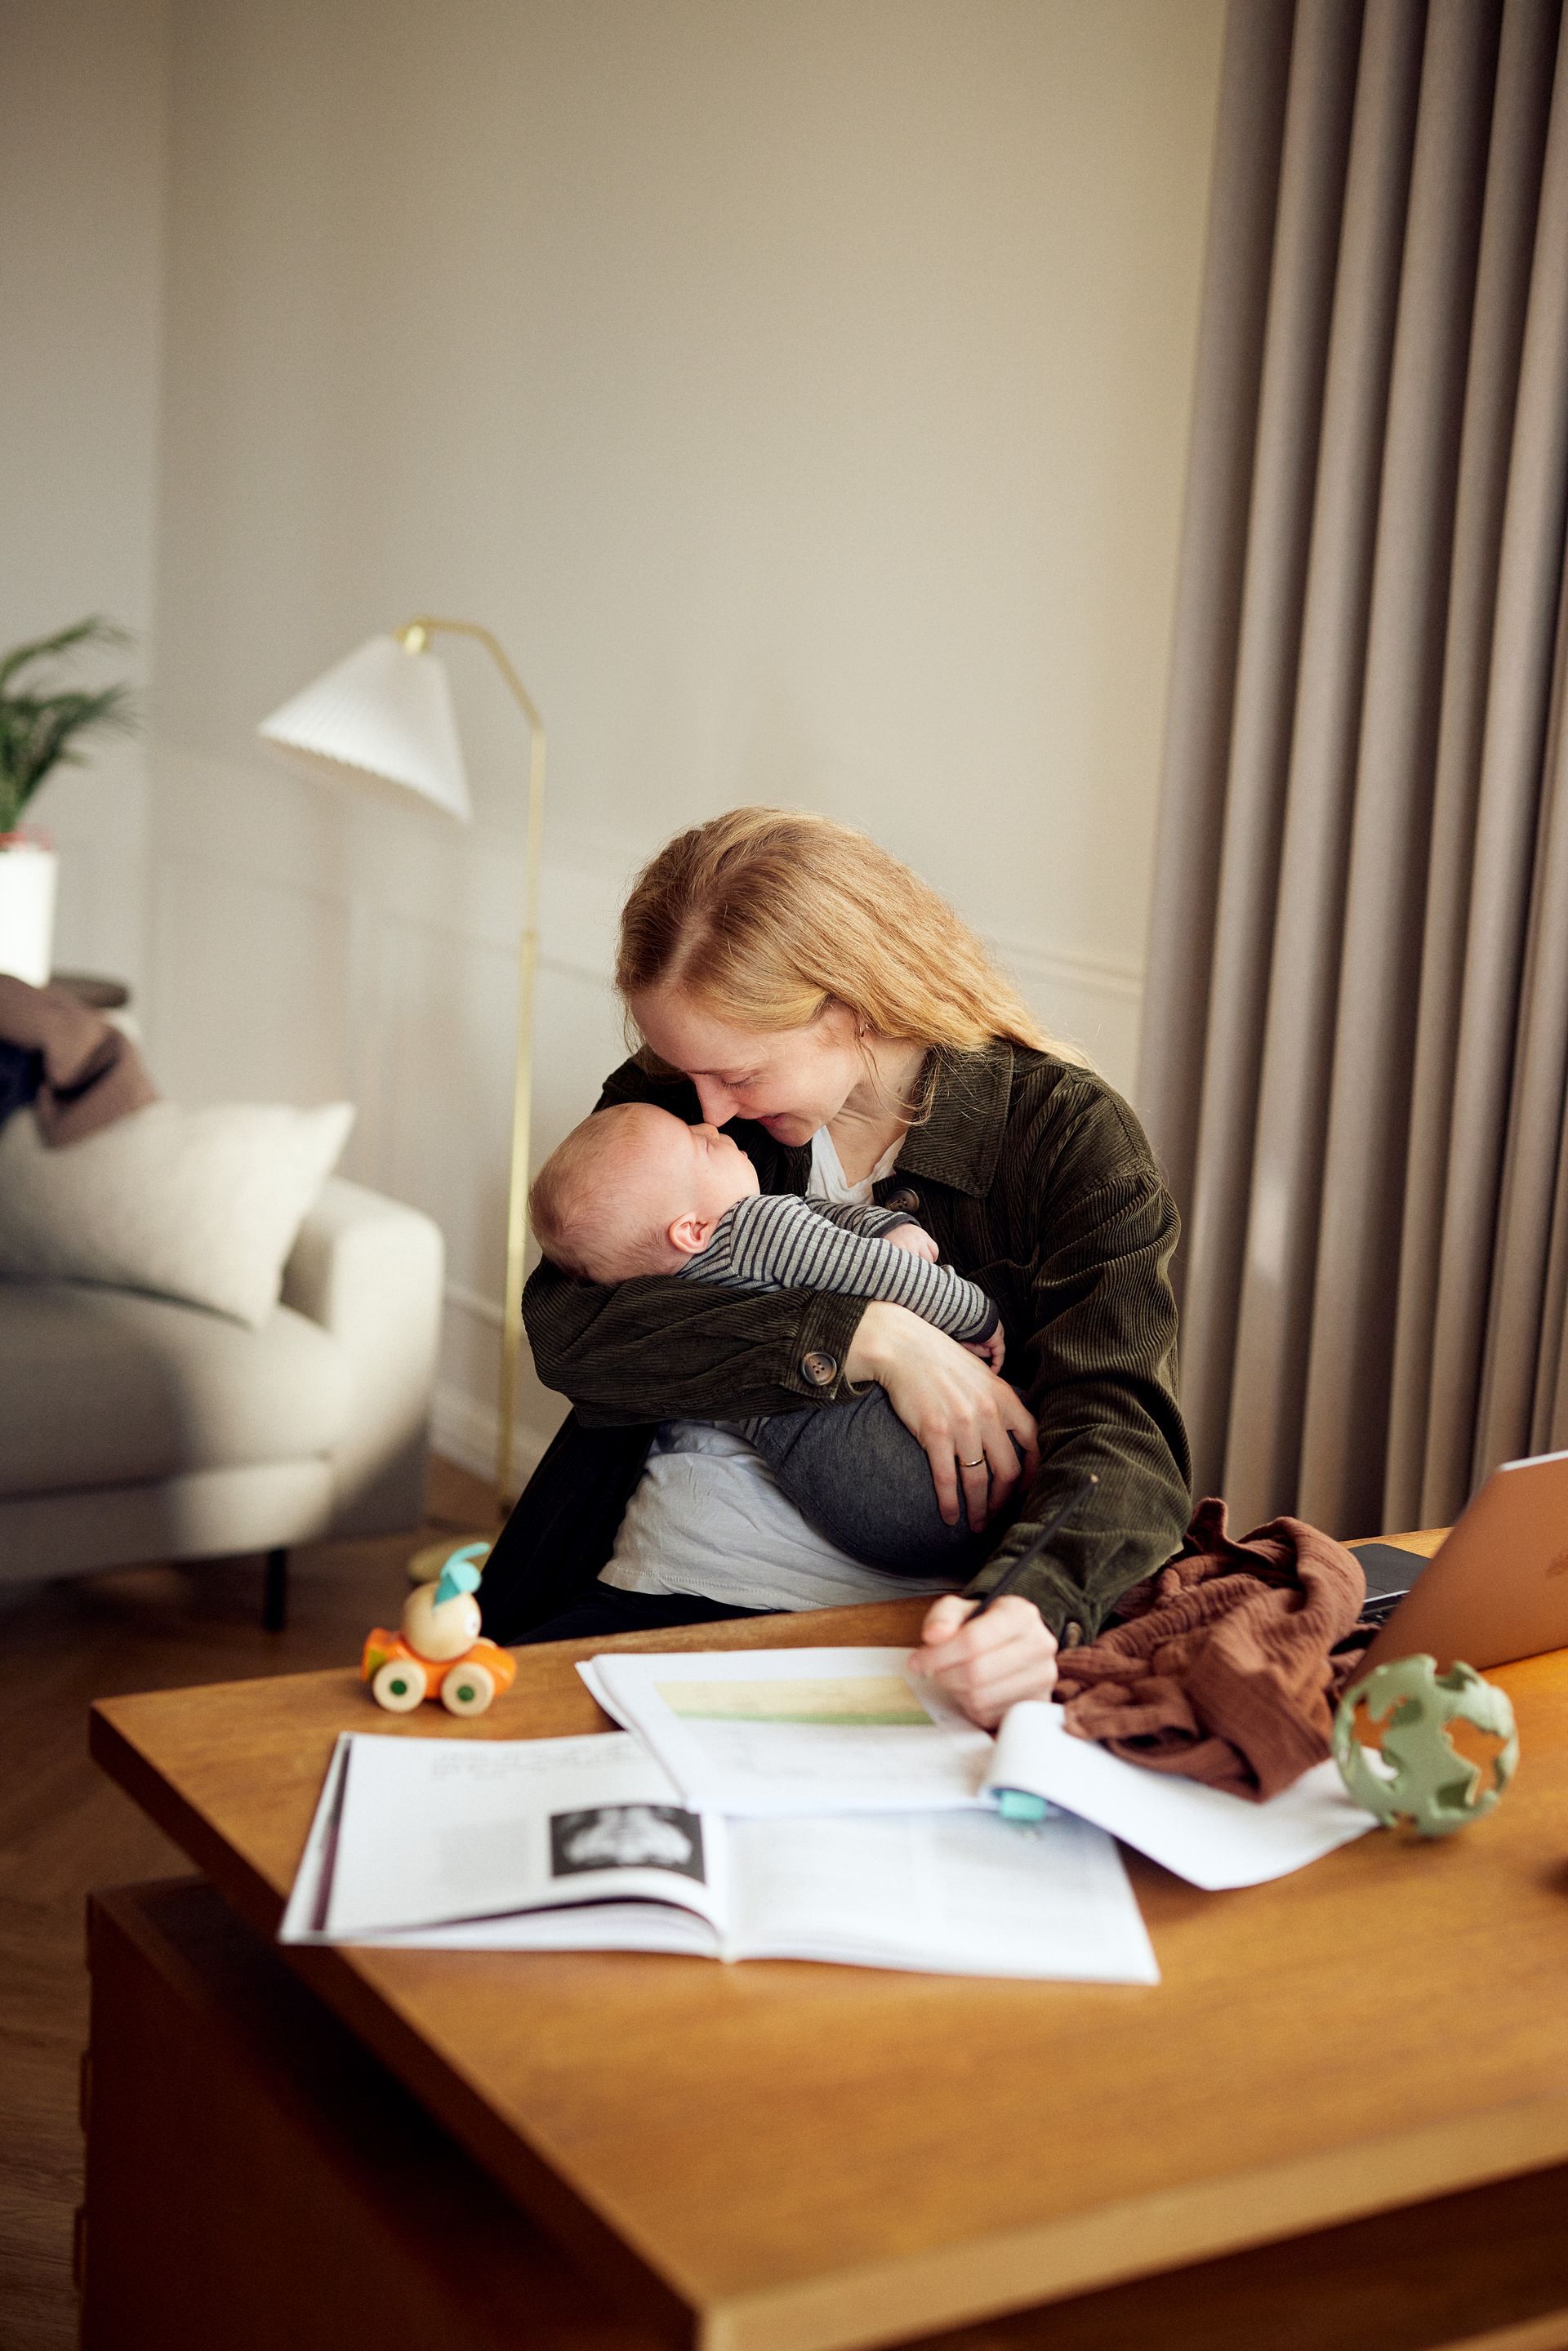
(382, 714)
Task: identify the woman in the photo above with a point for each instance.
(792, 982)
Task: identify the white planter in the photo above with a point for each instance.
(28, 874)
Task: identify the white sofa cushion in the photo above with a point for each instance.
(99, 1387)
(200, 1204)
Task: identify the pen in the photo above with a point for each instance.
(1076, 1493)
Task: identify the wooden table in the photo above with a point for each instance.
(787, 2158)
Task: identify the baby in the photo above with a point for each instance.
(635, 1191)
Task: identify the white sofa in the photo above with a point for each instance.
(134, 1429)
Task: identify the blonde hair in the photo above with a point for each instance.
(584, 1207)
(768, 915)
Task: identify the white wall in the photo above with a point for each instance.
(801, 389)
(83, 121)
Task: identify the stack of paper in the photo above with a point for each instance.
(804, 1803)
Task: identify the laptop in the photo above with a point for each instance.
(1495, 1588)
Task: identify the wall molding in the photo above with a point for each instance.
(488, 1311)
(1121, 983)
(583, 882)
(465, 1431)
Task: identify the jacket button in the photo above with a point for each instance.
(820, 1369)
(905, 1201)
(1072, 1633)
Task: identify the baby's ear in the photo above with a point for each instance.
(689, 1233)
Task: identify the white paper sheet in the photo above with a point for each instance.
(766, 1733)
(304, 1915)
(1212, 1839)
(961, 1893)
(596, 1926)
(589, 1669)
(416, 1833)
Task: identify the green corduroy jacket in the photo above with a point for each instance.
(1037, 1182)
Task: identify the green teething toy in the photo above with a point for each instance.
(1432, 1784)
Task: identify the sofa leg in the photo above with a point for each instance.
(275, 1592)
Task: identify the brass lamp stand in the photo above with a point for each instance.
(384, 714)
(413, 637)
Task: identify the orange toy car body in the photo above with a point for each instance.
(464, 1685)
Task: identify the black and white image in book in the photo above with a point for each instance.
(626, 1836)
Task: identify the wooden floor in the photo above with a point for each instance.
(63, 1828)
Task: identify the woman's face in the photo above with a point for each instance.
(791, 1080)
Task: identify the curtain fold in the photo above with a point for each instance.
(1350, 1309)
(1281, 1221)
(1355, 1054)
(1523, 93)
(1529, 571)
(1315, 149)
(1512, 1371)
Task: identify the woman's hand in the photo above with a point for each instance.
(974, 1429)
(989, 1664)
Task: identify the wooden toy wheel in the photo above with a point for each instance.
(467, 1690)
(399, 1685)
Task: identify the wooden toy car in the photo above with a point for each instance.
(400, 1678)
(440, 1652)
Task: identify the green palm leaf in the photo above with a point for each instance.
(94, 631)
(41, 731)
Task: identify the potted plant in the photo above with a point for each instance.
(40, 732)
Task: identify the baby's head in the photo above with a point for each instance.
(635, 1190)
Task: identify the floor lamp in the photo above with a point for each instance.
(385, 716)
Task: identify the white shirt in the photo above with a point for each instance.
(707, 1515)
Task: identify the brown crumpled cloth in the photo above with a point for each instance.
(92, 1073)
(1218, 1667)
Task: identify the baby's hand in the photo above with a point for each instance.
(915, 1239)
(992, 1351)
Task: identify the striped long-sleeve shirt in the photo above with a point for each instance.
(774, 1240)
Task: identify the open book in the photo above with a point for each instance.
(586, 1844)
(786, 1731)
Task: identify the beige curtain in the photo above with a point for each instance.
(1354, 1057)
